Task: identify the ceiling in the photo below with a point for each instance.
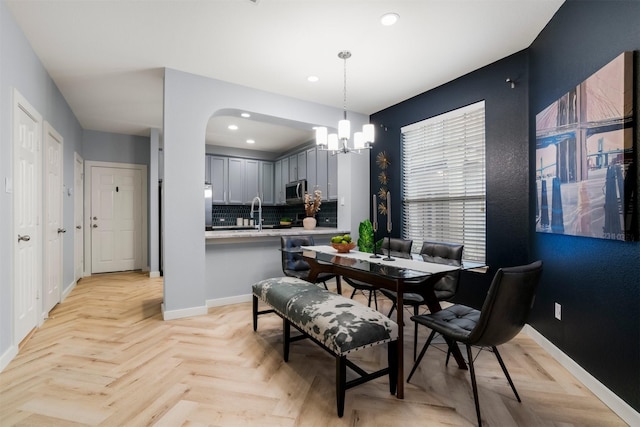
(107, 56)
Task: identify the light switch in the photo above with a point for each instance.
(8, 185)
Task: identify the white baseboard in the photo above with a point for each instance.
(154, 274)
(609, 398)
(183, 312)
(8, 356)
(219, 302)
(68, 289)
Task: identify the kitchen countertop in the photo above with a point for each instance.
(273, 232)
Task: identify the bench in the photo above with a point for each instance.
(338, 324)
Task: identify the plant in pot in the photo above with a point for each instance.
(311, 208)
(285, 220)
(366, 239)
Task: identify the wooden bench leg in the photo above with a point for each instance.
(392, 355)
(286, 330)
(341, 382)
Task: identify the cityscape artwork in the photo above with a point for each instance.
(586, 165)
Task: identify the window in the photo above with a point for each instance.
(443, 180)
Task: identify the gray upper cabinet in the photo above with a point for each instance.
(302, 165)
(218, 178)
(207, 169)
(236, 181)
(293, 168)
(251, 180)
(267, 183)
(321, 172)
(279, 186)
(332, 179)
(311, 169)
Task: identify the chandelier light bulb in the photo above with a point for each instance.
(321, 136)
(358, 140)
(344, 129)
(333, 142)
(369, 133)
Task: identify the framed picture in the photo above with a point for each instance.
(586, 160)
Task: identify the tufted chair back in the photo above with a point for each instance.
(444, 253)
(507, 305)
(291, 263)
(399, 247)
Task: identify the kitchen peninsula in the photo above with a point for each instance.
(235, 259)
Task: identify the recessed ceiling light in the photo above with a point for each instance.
(251, 141)
(389, 19)
(313, 79)
(245, 115)
(232, 127)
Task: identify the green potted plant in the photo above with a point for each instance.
(366, 237)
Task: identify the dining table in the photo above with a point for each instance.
(398, 272)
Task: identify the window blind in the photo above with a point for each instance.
(443, 180)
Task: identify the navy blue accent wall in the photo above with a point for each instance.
(596, 281)
(507, 155)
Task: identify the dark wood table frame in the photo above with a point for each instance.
(383, 276)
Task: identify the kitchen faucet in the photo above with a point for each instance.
(259, 224)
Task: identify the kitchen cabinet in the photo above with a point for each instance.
(218, 178)
(302, 165)
(207, 169)
(251, 179)
(293, 168)
(297, 166)
(311, 170)
(267, 183)
(321, 172)
(236, 181)
(332, 177)
(279, 186)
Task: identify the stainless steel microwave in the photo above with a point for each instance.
(294, 192)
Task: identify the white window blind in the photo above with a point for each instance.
(443, 179)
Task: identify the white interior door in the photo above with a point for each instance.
(27, 244)
(116, 219)
(53, 224)
(78, 216)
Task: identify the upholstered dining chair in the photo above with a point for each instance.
(295, 266)
(503, 314)
(445, 288)
(399, 247)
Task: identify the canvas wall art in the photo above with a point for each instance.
(586, 164)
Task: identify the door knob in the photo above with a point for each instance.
(61, 230)
(95, 225)
(24, 238)
(95, 217)
(79, 227)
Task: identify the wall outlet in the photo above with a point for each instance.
(221, 219)
(558, 311)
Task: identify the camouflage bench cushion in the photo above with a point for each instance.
(340, 324)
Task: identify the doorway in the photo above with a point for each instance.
(116, 219)
(78, 217)
(53, 223)
(27, 197)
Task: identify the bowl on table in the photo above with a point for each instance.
(343, 248)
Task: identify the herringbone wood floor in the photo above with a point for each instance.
(106, 357)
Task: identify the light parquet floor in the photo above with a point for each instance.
(106, 358)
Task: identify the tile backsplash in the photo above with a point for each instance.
(227, 214)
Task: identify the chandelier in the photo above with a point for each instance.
(339, 142)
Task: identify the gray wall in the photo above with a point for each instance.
(189, 102)
(20, 68)
(116, 148)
